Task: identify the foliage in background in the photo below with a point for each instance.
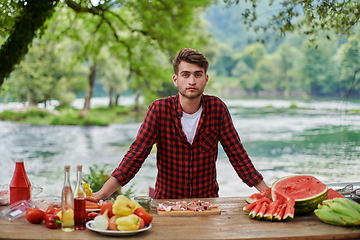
(133, 55)
(102, 116)
(29, 18)
(99, 175)
(309, 17)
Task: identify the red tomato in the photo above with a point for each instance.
(107, 206)
(142, 223)
(146, 216)
(34, 215)
(52, 210)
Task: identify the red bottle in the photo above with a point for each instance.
(20, 186)
(79, 202)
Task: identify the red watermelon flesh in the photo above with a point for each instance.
(262, 210)
(271, 210)
(255, 210)
(306, 190)
(256, 196)
(331, 194)
(250, 206)
(289, 210)
(279, 213)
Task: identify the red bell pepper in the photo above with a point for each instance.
(91, 216)
(52, 221)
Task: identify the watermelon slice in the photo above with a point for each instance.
(262, 210)
(289, 210)
(306, 190)
(255, 210)
(271, 210)
(333, 194)
(250, 206)
(256, 196)
(279, 212)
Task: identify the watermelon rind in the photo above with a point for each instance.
(302, 205)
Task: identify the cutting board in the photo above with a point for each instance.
(214, 211)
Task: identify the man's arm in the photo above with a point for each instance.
(107, 189)
(261, 186)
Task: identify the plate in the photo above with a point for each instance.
(89, 225)
(93, 210)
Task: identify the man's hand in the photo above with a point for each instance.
(261, 186)
(109, 188)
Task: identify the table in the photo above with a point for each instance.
(232, 223)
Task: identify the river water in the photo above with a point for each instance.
(320, 141)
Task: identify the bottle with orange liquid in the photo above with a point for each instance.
(79, 202)
(20, 186)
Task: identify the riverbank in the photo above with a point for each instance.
(101, 115)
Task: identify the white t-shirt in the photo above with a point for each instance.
(189, 124)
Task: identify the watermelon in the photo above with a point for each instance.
(262, 210)
(333, 194)
(271, 210)
(306, 190)
(289, 210)
(250, 206)
(256, 196)
(279, 212)
(255, 210)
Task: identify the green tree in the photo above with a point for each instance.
(252, 54)
(316, 69)
(349, 58)
(28, 18)
(165, 25)
(310, 17)
(47, 73)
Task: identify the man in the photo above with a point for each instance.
(186, 129)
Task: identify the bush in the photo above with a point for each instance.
(98, 176)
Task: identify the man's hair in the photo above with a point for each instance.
(190, 56)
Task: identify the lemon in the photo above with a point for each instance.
(87, 189)
(68, 218)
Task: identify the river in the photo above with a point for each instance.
(316, 140)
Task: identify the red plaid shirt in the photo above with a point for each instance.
(186, 170)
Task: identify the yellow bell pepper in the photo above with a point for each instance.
(87, 189)
(137, 205)
(123, 206)
(128, 223)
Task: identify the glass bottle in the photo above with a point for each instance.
(67, 203)
(20, 186)
(79, 202)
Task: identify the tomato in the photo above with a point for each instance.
(91, 216)
(52, 210)
(34, 215)
(107, 206)
(146, 216)
(142, 223)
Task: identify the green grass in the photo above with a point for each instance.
(102, 116)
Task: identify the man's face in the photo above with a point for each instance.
(190, 80)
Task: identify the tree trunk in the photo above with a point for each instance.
(137, 96)
(111, 97)
(30, 98)
(89, 91)
(117, 97)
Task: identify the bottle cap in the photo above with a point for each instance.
(19, 160)
(67, 168)
(79, 167)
